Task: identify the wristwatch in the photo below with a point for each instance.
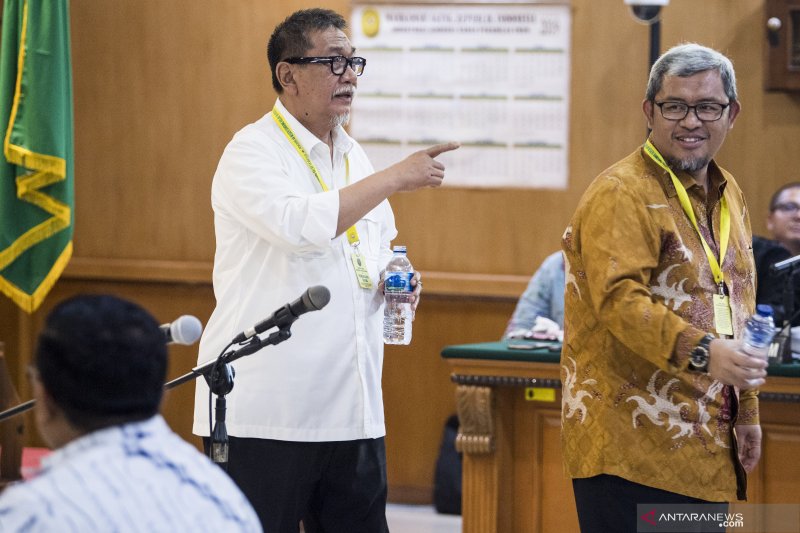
(698, 358)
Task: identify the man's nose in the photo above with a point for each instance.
(349, 74)
(691, 120)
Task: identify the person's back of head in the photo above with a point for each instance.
(102, 361)
(686, 60)
(291, 37)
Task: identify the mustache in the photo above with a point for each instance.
(346, 90)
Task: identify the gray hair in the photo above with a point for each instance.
(687, 60)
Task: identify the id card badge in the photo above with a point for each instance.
(722, 315)
(360, 266)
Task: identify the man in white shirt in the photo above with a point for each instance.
(296, 204)
(98, 379)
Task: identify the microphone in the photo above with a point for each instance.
(185, 329)
(314, 299)
(786, 263)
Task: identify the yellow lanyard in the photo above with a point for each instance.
(352, 233)
(724, 217)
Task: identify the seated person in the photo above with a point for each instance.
(544, 297)
(98, 378)
(783, 222)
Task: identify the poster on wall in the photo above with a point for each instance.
(493, 77)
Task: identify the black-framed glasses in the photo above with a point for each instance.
(338, 63)
(788, 208)
(705, 111)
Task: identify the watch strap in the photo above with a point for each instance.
(698, 359)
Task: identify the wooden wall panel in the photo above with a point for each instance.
(780, 442)
(417, 391)
(160, 87)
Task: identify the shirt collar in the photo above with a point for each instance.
(341, 140)
(716, 178)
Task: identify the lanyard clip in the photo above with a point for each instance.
(352, 237)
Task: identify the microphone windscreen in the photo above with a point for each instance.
(186, 329)
(318, 296)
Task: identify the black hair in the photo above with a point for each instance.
(103, 360)
(290, 37)
(773, 202)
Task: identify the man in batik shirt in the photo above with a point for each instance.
(659, 284)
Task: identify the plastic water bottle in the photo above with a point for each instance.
(397, 313)
(758, 332)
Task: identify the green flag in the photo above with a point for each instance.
(36, 171)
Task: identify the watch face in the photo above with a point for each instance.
(699, 357)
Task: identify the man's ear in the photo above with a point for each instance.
(285, 75)
(733, 112)
(647, 108)
(46, 406)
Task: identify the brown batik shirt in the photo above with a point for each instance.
(638, 298)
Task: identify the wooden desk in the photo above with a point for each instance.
(509, 405)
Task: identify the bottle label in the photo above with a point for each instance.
(399, 282)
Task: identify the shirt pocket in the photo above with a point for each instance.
(369, 233)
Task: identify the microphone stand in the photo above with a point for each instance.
(21, 408)
(219, 377)
(220, 382)
(252, 346)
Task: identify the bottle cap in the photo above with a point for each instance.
(399, 248)
(764, 310)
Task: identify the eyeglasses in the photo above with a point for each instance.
(338, 63)
(706, 111)
(789, 208)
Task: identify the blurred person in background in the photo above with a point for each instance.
(783, 223)
(543, 298)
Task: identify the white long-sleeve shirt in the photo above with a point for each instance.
(139, 477)
(275, 238)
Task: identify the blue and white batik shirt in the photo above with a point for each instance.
(134, 477)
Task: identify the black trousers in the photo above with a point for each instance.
(331, 487)
(607, 504)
